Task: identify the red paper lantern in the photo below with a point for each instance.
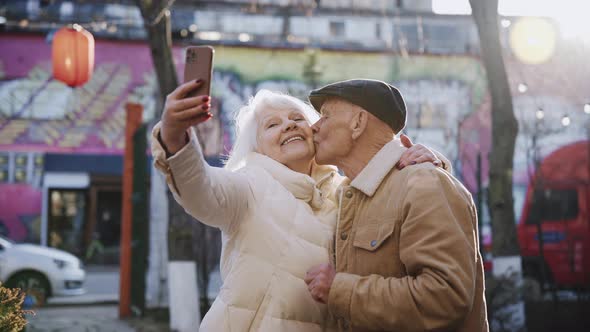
(73, 55)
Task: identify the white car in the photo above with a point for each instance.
(40, 271)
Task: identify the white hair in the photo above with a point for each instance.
(247, 126)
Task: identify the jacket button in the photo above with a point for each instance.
(343, 236)
(373, 243)
(348, 194)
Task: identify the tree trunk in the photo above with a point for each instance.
(188, 240)
(505, 307)
(207, 250)
(160, 41)
(504, 130)
(157, 24)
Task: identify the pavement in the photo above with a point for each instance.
(90, 318)
(96, 318)
(95, 311)
(98, 310)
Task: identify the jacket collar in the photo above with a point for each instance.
(312, 189)
(369, 179)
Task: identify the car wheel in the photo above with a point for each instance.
(35, 286)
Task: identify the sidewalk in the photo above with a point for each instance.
(95, 311)
(77, 319)
(90, 318)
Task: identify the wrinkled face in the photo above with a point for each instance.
(333, 132)
(284, 135)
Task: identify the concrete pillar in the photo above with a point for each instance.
(185, 313)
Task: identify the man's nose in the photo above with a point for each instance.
(315, 127)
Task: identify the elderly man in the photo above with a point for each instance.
(406, 248)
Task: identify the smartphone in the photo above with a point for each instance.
(199, 64)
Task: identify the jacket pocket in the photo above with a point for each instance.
(371, 237)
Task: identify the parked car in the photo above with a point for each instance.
(40, 271)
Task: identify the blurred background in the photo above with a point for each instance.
(62, 147)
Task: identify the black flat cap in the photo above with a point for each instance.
(379, 98)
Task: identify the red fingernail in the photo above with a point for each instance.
(206, 106)
(206, 116)
(199, 81)
(205, 98)
(413, 162)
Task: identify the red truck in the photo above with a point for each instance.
(557, 212)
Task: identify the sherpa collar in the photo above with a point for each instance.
(369, 179)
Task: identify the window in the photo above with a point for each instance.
(553, 205)
(446, 38)
(67, 218)
(20, 169)
(337, 29)
(4, 167)
(406, 37)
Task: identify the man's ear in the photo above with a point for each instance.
(359, 124)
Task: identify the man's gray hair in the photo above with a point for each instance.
(246, 124)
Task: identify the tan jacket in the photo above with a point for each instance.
(406, 251)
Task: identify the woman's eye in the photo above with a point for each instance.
(271, 125)
(299, 119)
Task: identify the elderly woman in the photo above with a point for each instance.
(274, 205)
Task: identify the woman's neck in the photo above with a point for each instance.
(301, 166)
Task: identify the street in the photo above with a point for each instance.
(90, 318)
(102, 286)
(77, 318)
(97, 310)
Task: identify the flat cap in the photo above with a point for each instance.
(381, 99)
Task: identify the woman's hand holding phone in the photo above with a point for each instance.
(181, 112)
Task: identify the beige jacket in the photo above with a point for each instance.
(275, 223)
(406, 251)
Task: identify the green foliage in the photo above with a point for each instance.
(12, 316)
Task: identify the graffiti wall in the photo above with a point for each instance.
(446, 97)
(21, 208)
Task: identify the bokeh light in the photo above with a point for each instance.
(533, 40)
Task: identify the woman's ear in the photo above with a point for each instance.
(359, 123)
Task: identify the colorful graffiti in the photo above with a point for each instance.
(40, 114)
(449, 108)
(21, 207)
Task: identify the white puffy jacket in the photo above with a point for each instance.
(275, 223)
